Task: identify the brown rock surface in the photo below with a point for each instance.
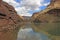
(8, 15)
(9, 22)
(50, 14)
(49, 20)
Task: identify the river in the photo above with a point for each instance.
(27, 32)
(33, 31)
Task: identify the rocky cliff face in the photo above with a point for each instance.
(50, 14)
(49, 19)
(9, 22)
(8, 16)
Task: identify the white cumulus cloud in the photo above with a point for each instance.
(31, 4)
(24, 6)
(12, 2)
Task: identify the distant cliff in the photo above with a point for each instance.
(27, 19)
(50, 14)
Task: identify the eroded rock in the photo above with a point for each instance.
(8, 16)
(9, 22)
(49, 19)
(50, 14)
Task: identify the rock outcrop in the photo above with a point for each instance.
(8, 15)
(49, 20)
(50, 14)
(9, 22)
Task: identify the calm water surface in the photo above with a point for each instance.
(28, 32)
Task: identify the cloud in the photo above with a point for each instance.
(22, 11)
(12, 2)
(31, 4)
(28, 34)
(24, 6)
(46, 4)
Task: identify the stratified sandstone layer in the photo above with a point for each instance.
(49, 19)
(8, 15)
(9, 22)
(50, 14)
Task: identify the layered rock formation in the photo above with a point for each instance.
(8, 15)
(50, 14)
(49, 19)
(9, 22)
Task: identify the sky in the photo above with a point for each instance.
(28, 7)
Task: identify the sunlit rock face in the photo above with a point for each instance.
(49, 18)
(9, 22)
(50, 14)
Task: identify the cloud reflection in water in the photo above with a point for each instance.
(29, 34)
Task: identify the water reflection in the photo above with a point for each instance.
(51, 29)
(27, 33)
(10, 33)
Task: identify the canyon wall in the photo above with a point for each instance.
(9, 22)
(50, 14)
(49, 19)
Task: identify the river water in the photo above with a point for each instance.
(33, 31)
(28, 32)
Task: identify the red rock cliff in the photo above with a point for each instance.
(9, 22)
(8, 16)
